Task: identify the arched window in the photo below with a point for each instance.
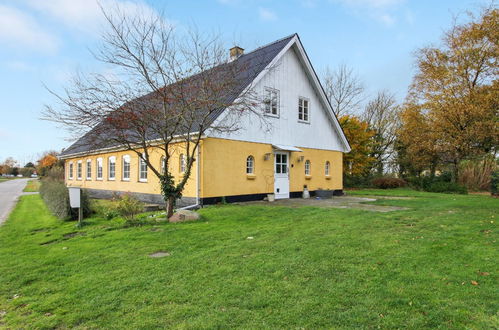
(162, 164)
(89, 169)
(182, 163)
(126, 168)
(142, 169)
(78, 170)
(111, 168)
(99, 168)
(71, 170)
(250, 165)
(307, 167)
(326, 170)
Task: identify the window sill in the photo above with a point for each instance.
(250, 176)
(328, 177)
(111, 179)
(271, 115)
(125, 180)
(99, 179)
(308, 177)
(88, 179)
(304, 121)
(143, 180)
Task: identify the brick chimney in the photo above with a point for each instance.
(235, 52)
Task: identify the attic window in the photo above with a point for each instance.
(271, 102)
(303, 113)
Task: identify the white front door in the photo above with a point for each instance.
(281, 174)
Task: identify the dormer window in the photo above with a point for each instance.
(271, 102)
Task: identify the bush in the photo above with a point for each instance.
(388, 183)
(447, 187)
(494, 183)
(357, 181)
(476, 174)
(128, 207)
(55, 194)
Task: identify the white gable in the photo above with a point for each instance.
(292, 76)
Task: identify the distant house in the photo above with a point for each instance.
(304, 148)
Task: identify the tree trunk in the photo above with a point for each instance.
(455, 172)
(170, 204)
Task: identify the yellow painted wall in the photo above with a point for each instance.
(224, 168)
(152, 185)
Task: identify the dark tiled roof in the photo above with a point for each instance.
(248, 67)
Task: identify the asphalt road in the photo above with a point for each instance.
(9, 193)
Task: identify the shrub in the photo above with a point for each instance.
(476, 174)
(447, 187)
(388, 183)
(128, 207)
(494, 183)
(357, 181)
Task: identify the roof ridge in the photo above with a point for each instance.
(271, 43)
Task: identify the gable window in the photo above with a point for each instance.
(142, 169)
(271, 102)
(89, 169)
(99, 168)
(111, 168)
(70, 174)
(182, 163)
(126, 168)
(79, 170)
(303, 110)
(250, 165)
(307, 167)
(326, 170)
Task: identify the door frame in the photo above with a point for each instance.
(282, 177)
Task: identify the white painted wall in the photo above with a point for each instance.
(290, 78)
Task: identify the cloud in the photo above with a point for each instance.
(379, 10)
(19, 66)
(266, 14)
(370, 3)
(386, 19)
(19, 30)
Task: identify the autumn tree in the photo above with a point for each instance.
(456, 87)
(166, 89)
(344, 90)
(47, 160)
(381, 113)
(358, 161)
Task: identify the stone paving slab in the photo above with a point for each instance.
(339, 202)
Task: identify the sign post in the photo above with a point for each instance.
(75, 202)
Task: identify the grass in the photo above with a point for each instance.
(304, 268)
(32, 186)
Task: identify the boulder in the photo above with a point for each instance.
(184, 215)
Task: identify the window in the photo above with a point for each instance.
(250, 165)
(281, 163)
(182, 163)
(303, 110)
(142, 169)
(78, 170)
(307, 167)
(70, 174)
(327, 168)
(126, 168)
(271, 102)
(99, 168)
(89, 169)
(111, 168)
(162, 164)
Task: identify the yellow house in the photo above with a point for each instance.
(303, 149)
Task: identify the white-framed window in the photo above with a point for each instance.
(126, 168)
(250, 165)
(142, 169)
(271, 102)
(79, 170)
(182, 163)
(162, 164)
(327, 167)
(111, 168)
(303, 110)
(307, 167)
(89, 169)
(98, 165)
(70, 170)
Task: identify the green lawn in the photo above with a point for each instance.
(304, 268)
(32, 186)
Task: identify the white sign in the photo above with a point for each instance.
(74, 196)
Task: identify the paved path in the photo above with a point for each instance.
(9, 193)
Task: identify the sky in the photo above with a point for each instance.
(44, 42)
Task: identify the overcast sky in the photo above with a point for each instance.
(45, 41)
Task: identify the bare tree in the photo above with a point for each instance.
(167, 90)
(382, 115)
(344, 89)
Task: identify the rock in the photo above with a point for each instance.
(184, 215)
(250, 237)
(160, 254)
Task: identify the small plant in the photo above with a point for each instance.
(128, 207)
(447, 188)
(388, 183)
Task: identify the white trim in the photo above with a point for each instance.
(113, 158)
(129, 160)
(87, 172)
(308, 167)
(304, 99)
